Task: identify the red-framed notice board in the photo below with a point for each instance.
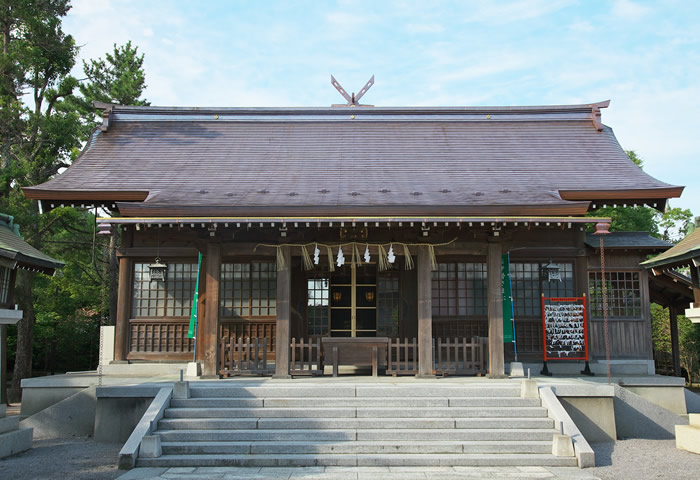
(564, 328)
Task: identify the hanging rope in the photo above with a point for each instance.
(281, 262)
(331, 265)
(408, 259)
(306, 258)
(433, 260)
(383, 262)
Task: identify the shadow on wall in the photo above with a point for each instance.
(636, 417)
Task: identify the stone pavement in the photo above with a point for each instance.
(357, 473)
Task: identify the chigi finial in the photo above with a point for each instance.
(352, 99)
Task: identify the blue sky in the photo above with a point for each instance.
(643, 56)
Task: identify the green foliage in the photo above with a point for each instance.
(43, 123)
(119, 78)
(689, 339)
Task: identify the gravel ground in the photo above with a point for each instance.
(638, 459)
(82, 458)
(64, 458)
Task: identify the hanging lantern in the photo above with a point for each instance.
(551, 272)
(369, 295)
(337, 296)
(157, 270)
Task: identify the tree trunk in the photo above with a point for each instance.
(25, 334)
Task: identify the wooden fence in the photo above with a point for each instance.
(402, 357)
(457, 357)
(243, 357)
(305, 358)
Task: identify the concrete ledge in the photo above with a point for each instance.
(9, 423)
(637, 417)
(579, 390)
(15, 442)
(584, 453)
(74, 415)
(149, 422)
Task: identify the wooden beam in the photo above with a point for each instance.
(495, 312)
(282, 339)
(207, 344)
(121, 331)
(675, 345)
(425, 313)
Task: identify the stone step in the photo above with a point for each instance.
(346, 423)
(479, 459)
(361, 390)
(348, 435)
(325, 447)
(336, 402)
(350, 412)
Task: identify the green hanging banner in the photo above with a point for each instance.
(195, 301)
(507, 300)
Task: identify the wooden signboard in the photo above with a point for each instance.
(564, 328)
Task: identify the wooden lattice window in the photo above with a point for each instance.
(317, 308)
(5, 278)
(169, 298)
(388, 306)
(248, 290)
(529, 284)
(459, 289)
(624, 296)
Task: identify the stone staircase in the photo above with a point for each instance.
(402, 424)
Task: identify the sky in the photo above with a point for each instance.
(644, 56)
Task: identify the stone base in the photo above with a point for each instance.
(15, 441)
(194, 369)
(516, 369)
(688, 436)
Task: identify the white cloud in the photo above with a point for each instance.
(629, 10)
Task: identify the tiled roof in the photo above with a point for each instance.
(681, 254)
(628, 240)
(389, 161)
(15, 249)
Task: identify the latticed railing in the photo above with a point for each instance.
(305, 357)
(402, 357)
(243, 356)
(458, 357)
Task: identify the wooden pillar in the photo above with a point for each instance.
(3, 364)
(495, 313)
(282, 340)
(675, 347)
(208, 342)
(425, 313)
(121, 332)
(695, 279)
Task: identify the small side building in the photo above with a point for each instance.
(15, 254)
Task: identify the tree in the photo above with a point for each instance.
(37, 137)
(646, 219)
(119, 78)
(62, 313)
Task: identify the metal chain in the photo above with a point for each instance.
(605, 307)
(102, 317)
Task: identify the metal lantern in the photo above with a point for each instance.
(337, 296)
(157, 270)
(369, 295)
(551, 272)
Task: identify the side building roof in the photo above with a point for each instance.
(16, 253)
(684, 253)
(544, 160)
